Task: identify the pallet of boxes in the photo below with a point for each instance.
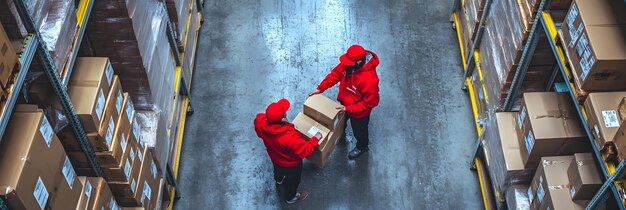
(320, 114)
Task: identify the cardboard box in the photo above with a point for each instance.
(123, 183)
(602, 115)
(67, 190)
(621, 110)
(113, 157)
(29, 134)
(513, 165)
(88, 193)
(103, 140)
(127, 114)
(584, 177)
(620, 142)
(88, 87)
(97, 184)
(594, 33)
(155, 202)
(148, 174)
(8, 58)
(308, 128)
(548, 125)
(323, 110)
(104, 198)
(114, 101)
(551, 173)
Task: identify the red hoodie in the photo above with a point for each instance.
(358, 92)
(283, 142)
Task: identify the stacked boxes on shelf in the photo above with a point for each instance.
(619, 140)
(8, 62)
(471, 11)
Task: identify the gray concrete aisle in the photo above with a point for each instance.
(253, 52)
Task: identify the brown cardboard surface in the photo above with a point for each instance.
(24, 137)
(89, 101)
(127, 114)
(584, 177)
(112, 157)
(558, 199)
(620, 142)
(322, 152)
(86, 194)
(549, 127)
(96, 184)
(323, 110)
(510, 141)
(67, 191)
(603, 116)
(126, 190)
(621, 110)
(308, 127)
(8, 58)
(551, 173)
(144, 176)
(104, 199)
(114, 102)
(157, 195)
(93, 69)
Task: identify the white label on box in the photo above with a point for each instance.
(113, 204)
(68, 172)
(133, 185)
(153, 169)
(146, 190)
(100, 104)
(530, 194)
(596, 129)
(88, 189)
(109, 73)
(520, 117)
(132, 153)
(610, 119)
(130, 110)
(127, 169)
(530, 141)
(582, 45)
(119, 101)
(46, 130)
(123, 142)
(572, 191)
(313, 130)
(41, 193)
(136, 131)
(540, 192)
(571, 16)
(139, 154)
(110, 130)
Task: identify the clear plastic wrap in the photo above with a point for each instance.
(517, 197)
(58, 30)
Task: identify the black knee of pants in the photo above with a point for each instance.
(360, 128)
(292, 178)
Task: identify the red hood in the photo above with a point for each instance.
(372, 63)
(272, 128)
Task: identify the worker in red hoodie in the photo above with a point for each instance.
(358, 92)
(285, 147)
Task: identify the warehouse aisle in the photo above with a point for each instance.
(253, 52)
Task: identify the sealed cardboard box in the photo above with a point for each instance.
(323, 110)
(596, 44)
(308, 127)
(126, 189)
(67, 189)
(113, 157)
(104, 198)
(8, 58)
(584, 177)
(114, 101)
(548, 125)
(321, 154)
(620, 142)
(88, 87)
(103, 140)
(88, 193)
(127, 113)
(29, 135)
(157, 196)
(147, 175)
(602, 115)
(506, 162)
(551, 173)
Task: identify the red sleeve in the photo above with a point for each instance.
(301, 147)
(370, 98)
(331, 79)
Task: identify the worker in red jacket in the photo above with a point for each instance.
(285, 147)
(358, 92)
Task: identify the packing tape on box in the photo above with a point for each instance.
(551, 162)
(585, 162)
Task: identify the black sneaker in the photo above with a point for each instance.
(356, 152)
(281, 181)
(300, 196)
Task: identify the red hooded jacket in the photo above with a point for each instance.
(359, 91)
(283, 142)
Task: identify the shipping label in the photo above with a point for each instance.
(119, 101)
(530, 141)
(520, 117)
(133, 185)
(100, 104)
(46, 130)
(575, 34)
(109, 73)
(313, 130)
(139, 154)
(147, 191)
(123, 142)
(571, 16)
(540, 191)
(41, 193)
(132, 153)
(110, 130)
(127, 169)
(610, 119)
(113, 204)
(68, 172)
(88, 189)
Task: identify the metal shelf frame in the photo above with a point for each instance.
(470, 62)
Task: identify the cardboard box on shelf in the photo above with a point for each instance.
(547, 126)
(602, 115)
(157, 195)
(88, 88)
(104, 199)
(88, 193)
(126, 189)
(594, 36)
(323, 110)
(508, 165)
(620, 142)
(127, 113)
(113, 157)
(114, 101)
(148, 175)
(67, 189)
(8, 58)
(584, 177)
(30, 158)
(103, 140)
(549, 188)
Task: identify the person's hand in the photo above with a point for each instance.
(341, 109)
(319, 136)
(314, 92)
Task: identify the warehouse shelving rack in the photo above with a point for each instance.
(613, 173)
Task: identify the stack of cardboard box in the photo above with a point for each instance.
(565, 182)
(619, 140)
(321, 115)
(8, 62)
(36, 172)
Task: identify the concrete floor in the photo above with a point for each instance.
(253, 52)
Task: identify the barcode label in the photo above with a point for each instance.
(132, 153)
(109, 73)
(123, 142)
(520, 117)
(133, 185)
(41, 193)
(130, 109)
(530, 141)
(147, 191)
(68, 172)
(127, 169)
(113, 204)
(100, 104)
(88, 189)
(139, 154)
(540, 192)
(153, 169)
(46, 130)
(119, 102)
(610, 119)
(571, 17)
(110, 130)
(313, 130)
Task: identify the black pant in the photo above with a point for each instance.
(360, 129)
(292, 178)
